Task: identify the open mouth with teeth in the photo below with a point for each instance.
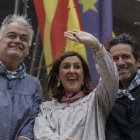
(71, 78)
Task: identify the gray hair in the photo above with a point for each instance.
(17, 18)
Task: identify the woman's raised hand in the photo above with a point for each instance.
(83, 37)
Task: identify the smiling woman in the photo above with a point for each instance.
(79, 110)
(71, 74)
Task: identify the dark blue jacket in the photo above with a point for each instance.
(19, 105)
(124, 120)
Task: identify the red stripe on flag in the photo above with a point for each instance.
(78, 13)
(59, 25)
(40, 12)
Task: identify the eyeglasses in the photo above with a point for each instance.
(130, 114)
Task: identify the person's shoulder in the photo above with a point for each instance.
(53, 104)
(32, 78)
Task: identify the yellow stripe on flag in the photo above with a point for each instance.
(50, 7)
(73, 23)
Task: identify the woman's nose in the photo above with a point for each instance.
(71, 69)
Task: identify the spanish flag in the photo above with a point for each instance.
(57, 16)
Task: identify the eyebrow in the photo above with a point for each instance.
(23, 35)
(12, 32)
(70, 62)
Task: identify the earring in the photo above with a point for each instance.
(58, 83)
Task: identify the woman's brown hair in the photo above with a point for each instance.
(50, 84)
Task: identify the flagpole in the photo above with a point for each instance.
(40, 64)
(35, 51)
(35, 45)
(16, 6)
(25, 6)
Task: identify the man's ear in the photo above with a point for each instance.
(138, 63)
